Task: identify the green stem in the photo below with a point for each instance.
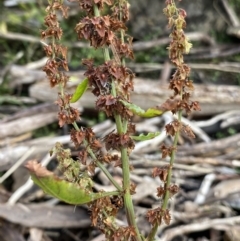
(75, 125)
(109, 176)
(127, 196)
(113, 193)
(172, 159)
(152, 234)
(96, 11)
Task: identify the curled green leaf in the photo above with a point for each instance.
(81, 88)
(143, 137)
(65, 191)
(151, 112)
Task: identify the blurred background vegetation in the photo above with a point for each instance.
(147, 23)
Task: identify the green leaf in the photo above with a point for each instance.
(143, 137)
(81, 88)
(151, 112)
(65, 191)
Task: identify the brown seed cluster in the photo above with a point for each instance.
(100, 80)
(127, 233)
(101, 77)
(166, 151)
(118, 141)
(55, 66)
(88, 5)
(66, 114)
(99, 31)
(161, 173)
(157, 215)
(103, 212)
(80, 138)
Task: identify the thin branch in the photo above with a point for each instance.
(198, 226)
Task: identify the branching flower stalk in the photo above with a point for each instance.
(53, 68)
(111, 83)
(180, 101)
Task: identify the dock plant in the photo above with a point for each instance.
(111, 84)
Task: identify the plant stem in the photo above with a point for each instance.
(113, 193)
(109, 176)
(151, 235)
(127, 196)
(172, 159)
(154, 229)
